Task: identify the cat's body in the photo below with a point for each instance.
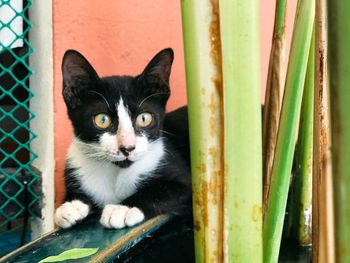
(128, 158)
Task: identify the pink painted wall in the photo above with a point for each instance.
(120, 37)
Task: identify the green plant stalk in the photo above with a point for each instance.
(280, 19)
(274, 86)
(304, 155)
(339, 58)
(242, 118)
(282, 165)
(300, 199)
(204, 89)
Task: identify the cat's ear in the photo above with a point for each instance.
(157, 74)
(160, 65)
(78, 76)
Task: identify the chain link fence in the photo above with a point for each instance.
(19, 181)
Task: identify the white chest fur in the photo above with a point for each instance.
(106, 183)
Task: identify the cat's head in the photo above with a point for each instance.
(118, 118)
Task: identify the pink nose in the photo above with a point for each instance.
(126, 150)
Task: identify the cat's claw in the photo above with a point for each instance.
(70, 213)
(120, 216)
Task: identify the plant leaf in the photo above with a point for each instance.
(74, 253)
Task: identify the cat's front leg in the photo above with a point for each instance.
(120, 216)
(71, 212)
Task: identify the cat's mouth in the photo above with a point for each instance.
(123, 164)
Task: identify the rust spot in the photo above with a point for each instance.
(256, 213)
(213, 152)
(214, 186)
(214, 256)
(212, 125)
(204, 192)
(212, 105)
(202, 168)
(197, 226)
(215, 41)
(321, 68)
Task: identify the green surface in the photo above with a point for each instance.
(89, 234)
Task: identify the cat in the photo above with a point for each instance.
(129, 159)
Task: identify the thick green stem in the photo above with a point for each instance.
(242, 114)
(203, 74)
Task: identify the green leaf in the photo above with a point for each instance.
(73, 253)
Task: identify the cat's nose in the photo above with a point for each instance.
(126, 150)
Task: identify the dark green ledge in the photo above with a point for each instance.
(89, 234)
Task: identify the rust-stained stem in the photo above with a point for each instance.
(323, 229)
(203, 75)
(274, 86)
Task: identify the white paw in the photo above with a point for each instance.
(134, 216)
(69, 213)
(119, 216)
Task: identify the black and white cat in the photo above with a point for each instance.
(128, 158)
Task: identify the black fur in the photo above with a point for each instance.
(85, 94)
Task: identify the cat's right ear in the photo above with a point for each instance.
(78, 76)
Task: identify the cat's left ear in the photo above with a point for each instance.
(157, 73)
(160, 65)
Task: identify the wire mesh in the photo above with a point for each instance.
(19, 196)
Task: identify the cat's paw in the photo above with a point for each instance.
(134, 216)
(70, 213)
(120, 216)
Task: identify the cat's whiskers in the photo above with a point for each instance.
(167, 132)
(103, 97)
(169, 152)
(155, 94)
(93, 151)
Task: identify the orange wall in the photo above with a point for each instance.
(120, 37)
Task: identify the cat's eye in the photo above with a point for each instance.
(102, 121)
(144, 119)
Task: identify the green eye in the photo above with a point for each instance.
(102, 121)
(144, 119)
